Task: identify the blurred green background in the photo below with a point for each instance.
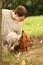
(34, 7)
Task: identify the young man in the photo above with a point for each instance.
(12, 24)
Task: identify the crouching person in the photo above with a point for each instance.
(12, 21)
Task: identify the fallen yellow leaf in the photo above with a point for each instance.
(23, 62)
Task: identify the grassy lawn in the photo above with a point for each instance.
(8, 57)
(33, 26)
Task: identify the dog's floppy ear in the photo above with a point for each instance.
(20, 38)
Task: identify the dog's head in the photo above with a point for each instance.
(24, 38)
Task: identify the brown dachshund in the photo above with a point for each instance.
(23, 43)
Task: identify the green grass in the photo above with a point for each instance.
(8, 57)
(33, 26)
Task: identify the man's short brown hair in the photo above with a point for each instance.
(21, 11)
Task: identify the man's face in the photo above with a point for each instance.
(18, 18)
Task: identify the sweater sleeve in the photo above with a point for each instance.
(3, 23)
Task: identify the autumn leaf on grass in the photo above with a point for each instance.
(23, 62)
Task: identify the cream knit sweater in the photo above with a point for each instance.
(10, 26)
